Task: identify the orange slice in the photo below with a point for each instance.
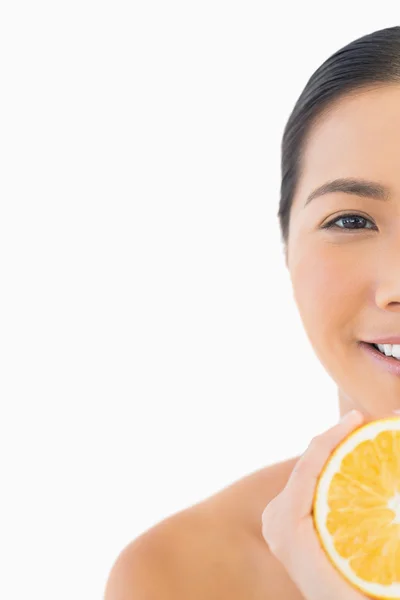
(356, 508)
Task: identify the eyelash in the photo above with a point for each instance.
(332, 224)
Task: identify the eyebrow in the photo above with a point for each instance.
(349, 185)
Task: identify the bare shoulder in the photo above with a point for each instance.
(212, 550)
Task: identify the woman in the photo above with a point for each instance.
(340, 223)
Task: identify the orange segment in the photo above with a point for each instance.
(357, 508)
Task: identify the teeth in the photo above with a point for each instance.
(390, 349)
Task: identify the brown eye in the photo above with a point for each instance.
(350, 222)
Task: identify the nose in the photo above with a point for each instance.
(387, 294)
(386, 262)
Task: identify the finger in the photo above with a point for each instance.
(303, 479)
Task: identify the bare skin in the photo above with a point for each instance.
(214, 549)
(240, 506)
(346, 285)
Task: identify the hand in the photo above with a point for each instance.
(288, 527)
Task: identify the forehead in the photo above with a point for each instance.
(358, 136)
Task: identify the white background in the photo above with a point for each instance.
(151, 350)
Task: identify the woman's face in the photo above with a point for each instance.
(346, 282)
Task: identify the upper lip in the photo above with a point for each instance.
(385, 340)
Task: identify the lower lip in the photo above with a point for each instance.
(387, 362)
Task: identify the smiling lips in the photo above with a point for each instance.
(387, 346)
(388, 362)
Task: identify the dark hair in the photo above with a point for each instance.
(366, 62)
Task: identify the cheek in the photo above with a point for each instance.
(323, 286)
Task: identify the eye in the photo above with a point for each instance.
(353, 220)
